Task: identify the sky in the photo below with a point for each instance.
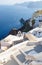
(11, 2)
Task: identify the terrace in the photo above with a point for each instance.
(22, 54)
(21, 50)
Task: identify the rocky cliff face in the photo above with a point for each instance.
(31, 4)
(13, 31)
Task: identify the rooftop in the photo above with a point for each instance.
(25, 49)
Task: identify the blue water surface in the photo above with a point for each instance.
(10, 16)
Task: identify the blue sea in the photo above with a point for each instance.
(10, 16)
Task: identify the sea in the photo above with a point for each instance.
(10, 17)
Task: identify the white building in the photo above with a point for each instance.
(38, 21)
(27, 52)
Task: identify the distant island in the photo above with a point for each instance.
(36, 4)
